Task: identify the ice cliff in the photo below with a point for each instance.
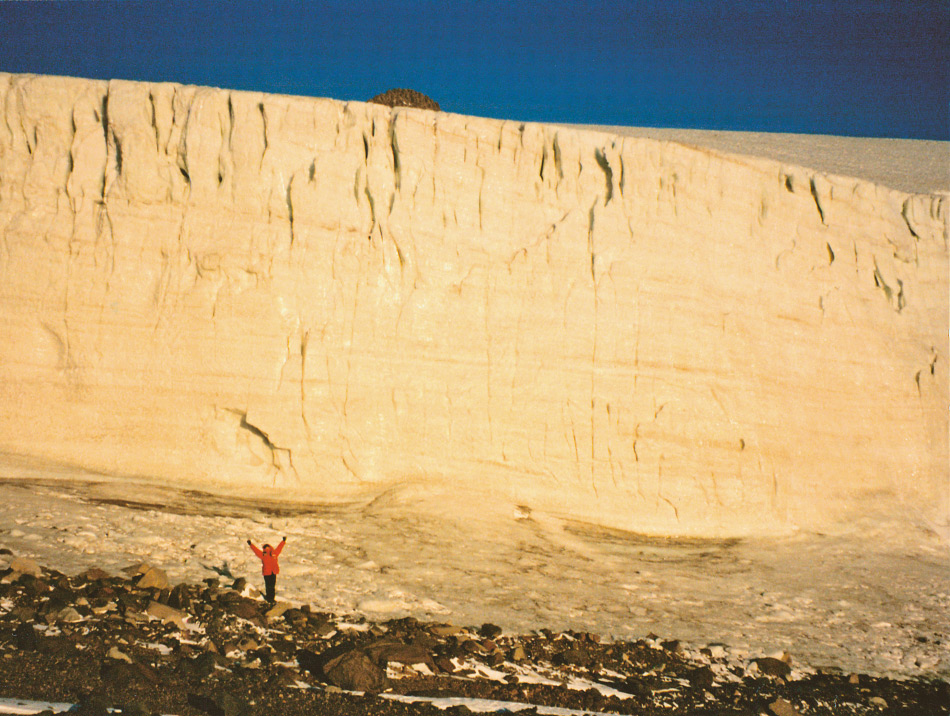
(326, 300)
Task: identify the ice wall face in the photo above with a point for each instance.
(331, 300)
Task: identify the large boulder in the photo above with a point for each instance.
(355, 671)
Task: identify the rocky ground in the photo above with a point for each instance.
(136, 643)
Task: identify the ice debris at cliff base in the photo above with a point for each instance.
(216, 648)
(874, 601)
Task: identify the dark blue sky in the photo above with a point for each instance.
(855, 67)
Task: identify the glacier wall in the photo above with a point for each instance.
(313, 299)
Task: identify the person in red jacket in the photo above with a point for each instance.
(269, 567)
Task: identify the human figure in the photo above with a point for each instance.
(269, 567)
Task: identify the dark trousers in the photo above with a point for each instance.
(270, 584)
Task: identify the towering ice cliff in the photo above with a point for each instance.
(330, 300)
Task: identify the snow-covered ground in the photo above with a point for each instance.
(873, 600)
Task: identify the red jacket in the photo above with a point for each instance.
(269, 558)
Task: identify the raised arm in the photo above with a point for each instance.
(255, 550)
(279, 547)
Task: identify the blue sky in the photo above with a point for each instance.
(855, 67)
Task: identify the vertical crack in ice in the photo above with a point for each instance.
(556, 147)
(604, 164)
(290, 207)
(896, 299)
(394, 148)
(905, 211)
(814, 195)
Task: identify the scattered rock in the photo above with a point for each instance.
(310, 662)
(222, 704)
(25, 565)
(399, 653)
(120, 673)
(489, 631)
(702, 678)
(94, 574)
(25, 637)
(246, 609)
(153, 578)
(134, 570)
(769, 666)
(277, 610)
(399, 97)
(574, 656)
(131, 657)
(783, 707)
(444, 630)
(248, 644)
(69, 615)
(355, 671)
(114, 653)
(94, 704)
(166, 614)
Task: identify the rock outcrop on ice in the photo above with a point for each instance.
(331, 300)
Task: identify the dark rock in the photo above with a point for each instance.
(93, 574)
(34, 586)
(245, 609)
(233, 706)
(296, 617)
(574, 656)
(405, 98)
(445, 664)
(311, 662)
(135, 709)
(202, 666)
(635, 686)
(23, 614)
(239, 584)
(772, 667)
(120, 673)
(355, 671)
(323, 628)
(205, 704)
(56, 646)
(701, 678)
(489, 631)
(179, 598)
(94, 704)
(782, 707)
(25, 637)
(470, 646)
(397, 652)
